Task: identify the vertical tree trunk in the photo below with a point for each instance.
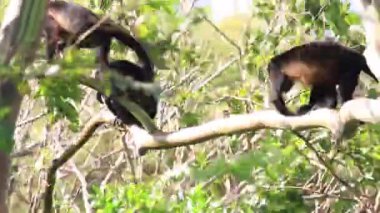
(20, 31)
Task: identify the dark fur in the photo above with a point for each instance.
(148, 103)
(320, 65)
(66, 21)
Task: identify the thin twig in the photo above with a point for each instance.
(83, 183)
(326, 165)
(31, 120)
(324, 196)
(27, 150)
(229, 40)
(216, 73)
(130, 159)
(377, 201)
(182, 80)
(112, 170)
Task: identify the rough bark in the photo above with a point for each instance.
(18, 31)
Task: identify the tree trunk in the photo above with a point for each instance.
(20, 31)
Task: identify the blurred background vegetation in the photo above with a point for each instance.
(207, 69)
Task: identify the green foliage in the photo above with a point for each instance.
(62, 94)
(189, 119)
(289, 200)
(148, 198)
(130, 198)
(276, 169)
(262, 171)
(4, 111)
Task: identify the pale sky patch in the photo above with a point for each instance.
(225, 8)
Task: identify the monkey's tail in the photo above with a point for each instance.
(368, 71)
(123, 36)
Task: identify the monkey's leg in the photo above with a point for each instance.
(100, 97)
(320, 97)
(117, 110)
(314, 95)
(279, 84)
(61, 45)
(52, 46)
(347, 86)
(327, 98)
(102, 56)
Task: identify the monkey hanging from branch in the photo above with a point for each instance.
(66, 22)
(321, 65)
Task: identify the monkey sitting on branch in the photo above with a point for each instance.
(320, 65)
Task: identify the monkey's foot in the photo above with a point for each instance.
(100, 97)
(304, 109)
(118, 122)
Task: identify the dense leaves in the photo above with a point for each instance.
(210, 70)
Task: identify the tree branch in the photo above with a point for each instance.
(338, 122)
(326, 164)
(83, 137)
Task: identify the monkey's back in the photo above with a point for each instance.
(318, 63)
(74, 19)
(70, 16)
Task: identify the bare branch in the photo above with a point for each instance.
(31, 120)
(83, 137)
(326, 165)
(83, 182)
(362, 109)
(228, 39)
(216, 73)
(120, 161)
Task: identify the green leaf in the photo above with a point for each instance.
(189, 119)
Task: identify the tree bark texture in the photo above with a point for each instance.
(20, 32)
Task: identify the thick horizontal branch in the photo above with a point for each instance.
(361, 109)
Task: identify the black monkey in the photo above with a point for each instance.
(66, 21)
(147, 102)
(320, 65)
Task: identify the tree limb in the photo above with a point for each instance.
(338, 122)
(83, 137)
